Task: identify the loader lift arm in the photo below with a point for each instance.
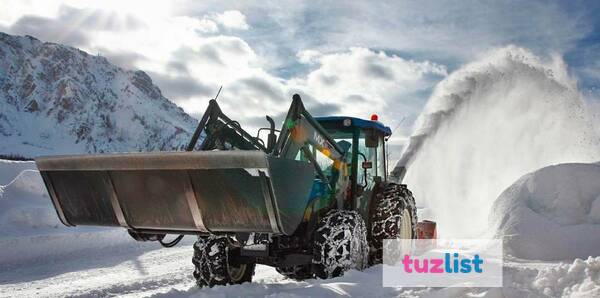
(299, 129)
(220, 130)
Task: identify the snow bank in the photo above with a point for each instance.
(25, 207)
(29, 227)
(11, 169)
(551, 214)
(487, 124)
(579, 279)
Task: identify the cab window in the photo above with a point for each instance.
(374, 156)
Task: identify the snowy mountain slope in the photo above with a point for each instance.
(58, 99)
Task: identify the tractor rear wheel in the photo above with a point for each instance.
(394, 216)
(340, 244)
(213, 265)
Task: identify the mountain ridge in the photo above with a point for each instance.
(56, 99)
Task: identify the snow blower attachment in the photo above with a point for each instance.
(286, 202)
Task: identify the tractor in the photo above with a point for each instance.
(311, 199)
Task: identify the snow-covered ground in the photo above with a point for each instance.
(41, 258)
(167, 273)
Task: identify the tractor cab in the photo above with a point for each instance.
(364, 143)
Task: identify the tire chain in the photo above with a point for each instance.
(210, 261)
(387, 217)
(340, 244)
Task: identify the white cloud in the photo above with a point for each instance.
(356, 82)
(203, 25)
(262, 54)
(189, 57)
(363, 81)
(232, 19)
(308, 56)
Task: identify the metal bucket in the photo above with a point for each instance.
(180, 192)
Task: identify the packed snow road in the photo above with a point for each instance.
(132, 272)
(118, 272)
(141, 272)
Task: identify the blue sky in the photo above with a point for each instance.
(344, 57)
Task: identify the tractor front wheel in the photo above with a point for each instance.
(213, 265)
(340, 244)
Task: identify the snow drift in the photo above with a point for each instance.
(25, 206)
(551, 214)
(487, 124)
(10, 169)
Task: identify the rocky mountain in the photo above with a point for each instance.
(56, 99)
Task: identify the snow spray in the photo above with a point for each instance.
(486, 125)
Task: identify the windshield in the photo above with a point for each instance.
(366, 156)
(371, 158)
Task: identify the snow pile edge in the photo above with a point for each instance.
(551, 214)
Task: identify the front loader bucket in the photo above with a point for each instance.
(180, 192)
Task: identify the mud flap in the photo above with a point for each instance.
(180, 192)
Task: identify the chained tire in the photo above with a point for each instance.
(300, 272)
(213, 265)
(340, 244)
(394, 216)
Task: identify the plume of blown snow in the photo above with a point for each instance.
(487, 124)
